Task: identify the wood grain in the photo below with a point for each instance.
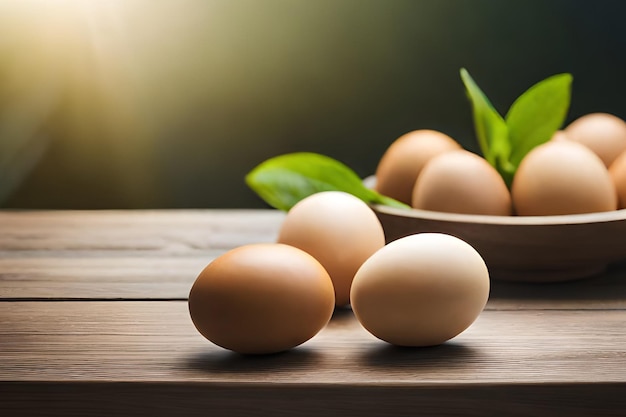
(163, 232)
(98, 277)
(156, 341)
(170, 277)
(146, 255)
(537, 350)
(62, 358)
(119, 254)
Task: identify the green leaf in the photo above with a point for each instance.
(284, 180)
(491, 129)
(506, 171)
(537, 114)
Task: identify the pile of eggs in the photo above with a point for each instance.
(582, 169)
(420, 290)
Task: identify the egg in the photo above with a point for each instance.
(421, 290)
(403, 161)
(261, 298)
(562, 177)
(338, 230)
(618, 175)
(559, 135)
(461, 182)
(603, 133)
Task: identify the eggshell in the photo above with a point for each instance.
(403, 161)
(559, 135)
(618, 175)
(420, 290)
(562, 177)
(461, 182)
(261, 298)
(603, 133)
(338, 230)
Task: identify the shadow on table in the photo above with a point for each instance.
(224, 361)
(444, 356)
(607, 288)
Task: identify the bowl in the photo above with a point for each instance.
(524, 248)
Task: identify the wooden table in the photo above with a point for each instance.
(94, 321)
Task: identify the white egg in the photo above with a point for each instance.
(420, 290)
(338, 230)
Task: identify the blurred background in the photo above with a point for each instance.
(169, 103)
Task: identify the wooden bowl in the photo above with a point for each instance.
(524, 248)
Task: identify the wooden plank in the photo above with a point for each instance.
(159, 232)
(145, 358)
(170, 277)
(156, 341)
(98, 277)
(158, 254)
(119, 254)
(555, 349)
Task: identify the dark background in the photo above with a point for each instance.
(168, 104)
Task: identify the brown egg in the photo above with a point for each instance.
(338, 230)
(261, 298)
(421, 290)
(618, 175)
(403, 161)
(461, 182)
(603, 133)
(562, 177)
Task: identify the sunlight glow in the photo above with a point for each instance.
(70, 55)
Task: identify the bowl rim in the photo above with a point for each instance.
(565, 219)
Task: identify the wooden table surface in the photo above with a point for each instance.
(94, 321)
